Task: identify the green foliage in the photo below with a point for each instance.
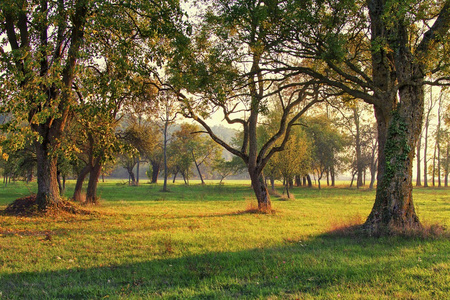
(326, 143)
(227, 168)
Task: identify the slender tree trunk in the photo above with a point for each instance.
(198, 168)
(438, 140)
(64, 183)
(439, 165)
(174, 177)
(60, 186)
(425, 147)
(447, 163)
(272, 183)
(137, 171)
(166, 125)
(94, 175)
(353, 178)
(131, 176)
(308, 178)
(333, 177)
(433, 173)
(418, 175)
(359, 163)
(79, 184)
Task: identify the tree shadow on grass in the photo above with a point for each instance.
(327, 266)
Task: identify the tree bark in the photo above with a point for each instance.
(138, 164)
(394, 209)
(94, 175)
(48, 189)
(308, 178)
(261, 192)
(131, 174)
(359, 163)
(425, 148)
(198, 168)
(79, 184)
(418, 174)
(399, 110)
(156, 166)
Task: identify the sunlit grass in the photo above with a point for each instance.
(198, 242)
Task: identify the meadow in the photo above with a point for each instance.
(204, 242)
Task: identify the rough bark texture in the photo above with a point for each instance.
(48, 189)
(399, 109)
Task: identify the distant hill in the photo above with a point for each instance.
(225, 133)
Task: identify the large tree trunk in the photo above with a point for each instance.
(94, 175)
(394, 209)
(48, 189)
(399, 112)
(79, 184)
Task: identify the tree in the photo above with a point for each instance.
(353, 121)
(45, 41)
(293, 159)
(326, 143)
(191, 145)
(227, 67)
(377, 51)
(140, 142)
(169, 113)
(227, 168)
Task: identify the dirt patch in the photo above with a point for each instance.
(27, 206)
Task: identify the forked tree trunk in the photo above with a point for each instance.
(79, 184)
(197, 166)
(132, 179)
(94, 175)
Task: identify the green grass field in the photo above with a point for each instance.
(198, 242)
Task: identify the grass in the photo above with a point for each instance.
(198, 242)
